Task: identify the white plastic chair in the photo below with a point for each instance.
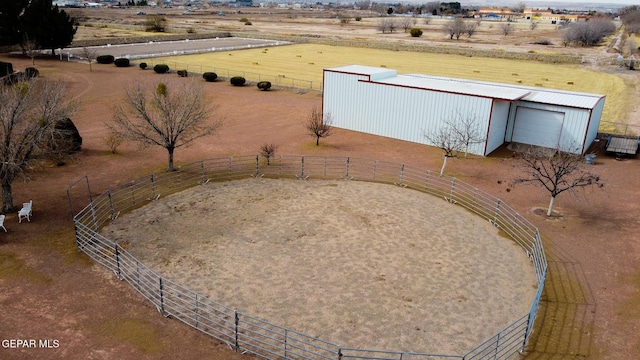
(25, 212)
(2, 223)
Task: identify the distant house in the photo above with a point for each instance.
(381, 102)
(498, 13)
(546, 15)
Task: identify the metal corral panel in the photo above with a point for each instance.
(457, 86)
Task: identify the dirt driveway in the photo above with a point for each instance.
(590, 309)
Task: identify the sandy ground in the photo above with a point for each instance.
(359, 264)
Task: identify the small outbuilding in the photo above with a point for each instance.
(379, 101)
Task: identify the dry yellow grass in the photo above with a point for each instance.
(302, 66)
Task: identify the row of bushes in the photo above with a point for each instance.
(163, 69)
(19, 76)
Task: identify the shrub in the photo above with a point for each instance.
(143, 65)
(183, 73)
(121, 62)
(264, 85)
(238, 81)
(5, 68)
(358, 18)
(210, 76)
(113, 140)
(415, 32)
(14, 78)
(243, 19)
(161, 68)
(248, 23)
(31, 72)
(105, 59)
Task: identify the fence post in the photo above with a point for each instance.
(302, 167)
(93, 214)
(153, 187)
(258, 165)
(285, 343)
(453, 190)
(138, 273)
(495, 354)
(339, 354)
(133, 194)
(197, 318)
(348, 167)
(401, 174)
(426, 181)
(375, 167)
(495, 217)
(237, 319)
(161, 298)
(110, 203)
(202, 170)
(118, 260)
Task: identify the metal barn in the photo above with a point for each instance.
(381, 102)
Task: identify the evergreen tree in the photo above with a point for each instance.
(10, 29)
(49, 26)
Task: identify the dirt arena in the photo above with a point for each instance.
(359, 264)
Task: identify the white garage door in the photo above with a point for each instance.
(538, 127)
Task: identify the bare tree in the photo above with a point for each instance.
(556, 172)
(470, 28)
(519, 8)
(29, 111)
(268, 150)
(318, 125)
(113, 141)
(90, 55)
(392, 25)
(507, 29)
(533, 25)
(432, 7)
(383, 25)
(406, 23)
(589, 33)
(30, 48)
(171, 116)
(466, 130)
(155, 23)
(447, 140)
(454, 28)
(426, 20)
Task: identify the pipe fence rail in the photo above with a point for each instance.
(247, 334)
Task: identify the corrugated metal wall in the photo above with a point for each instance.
(498, 125)
(574, 127)
(594, 124)
(398, 112)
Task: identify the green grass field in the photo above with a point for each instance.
(302, 65)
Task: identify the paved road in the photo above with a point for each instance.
(168, 48)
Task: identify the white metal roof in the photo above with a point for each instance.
(476, 88)
(374, 72)
(458, 86)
